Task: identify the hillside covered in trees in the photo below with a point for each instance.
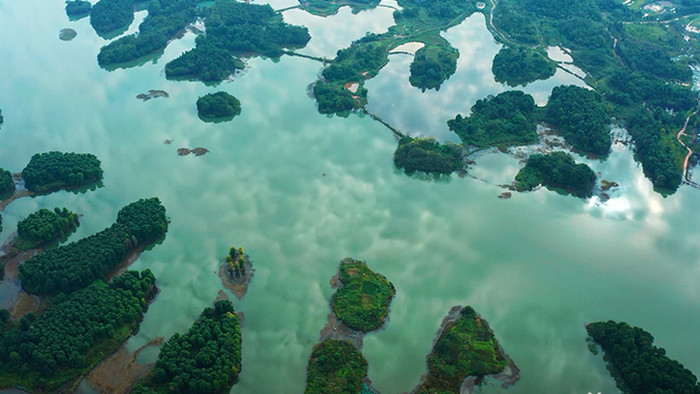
(206, 359)
(363, 298)
(77, 264)
(521, 65)
(335, 366)
(109, 15)
(465, 347)
(56, 170)
(218, 105)
(504, 120)
(73, 333)
(557, 170)
(636, 364)
(432, 65)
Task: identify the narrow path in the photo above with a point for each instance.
(690, 151)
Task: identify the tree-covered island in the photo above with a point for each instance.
(363, 296)
(206, 359)
(56, 170)
(432, 65)
(428, 156)
(521, 65)
(78, 8)
(52, 351)
(237, 271)
(75, 265)
(507, 119)
(218, 106)
(636, 364)
(335, 366)
(331, 7)
(45, 226)
(465, 347)
(109, 15)
(558, 171)
(7, 183)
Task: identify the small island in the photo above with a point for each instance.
(56, 170)
(635, 363)
(521, 65)
(363, 296)
(464, 352)
(206, 359)
(433, 65)
(335, 366)
(237, 271)
(44, 227)
(51, 351)
(557, 171)
(428, 156)
(218, 107)
(507, 119)
(78, 8)
(326, 7)
(67, 34)
(75, 265)
(152, 94)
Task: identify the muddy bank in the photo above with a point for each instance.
(118, 372)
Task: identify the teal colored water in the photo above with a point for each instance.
(538, 267)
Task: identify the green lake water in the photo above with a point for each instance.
(538, 267)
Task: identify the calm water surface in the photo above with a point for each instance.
(538, 266)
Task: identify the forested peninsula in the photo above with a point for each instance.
(636, 364)
(206, 359)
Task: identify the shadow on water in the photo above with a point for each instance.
(152, 58)
(425, 176)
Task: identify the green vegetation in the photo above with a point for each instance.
(504, 120)
(110, 15)
(466, 347)
(330, 7)
(432, 66)
(76, 331)
(55, 170)
(362, 300)
(206, 63)
(206, 359)
(420, 20)
(236, 28)
(164, 21)
(558, 171)
(75, 265)
(633, 65)
(44, 226)
(235, 261)
(335, 366)
(77, 8)
(218, 105)
(581, 116)
(427, 155)
(7, 184)
(636, 364)
(518, 65)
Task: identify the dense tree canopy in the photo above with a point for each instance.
(466, 347)
(164, 21)
(517, 65)
(78, 7)
(333, 98)
(504, 120)
(109, 15)
(45, 226)
(218, 105)
(427, 155)
(7, 184)
(50, 350)
(335, 366)
(557, 170)
(636, 364)
(206, 359)
(581, 116)
(205, 62)
(55, 170)
(75, 265)
(433, 65)
(363, 298)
